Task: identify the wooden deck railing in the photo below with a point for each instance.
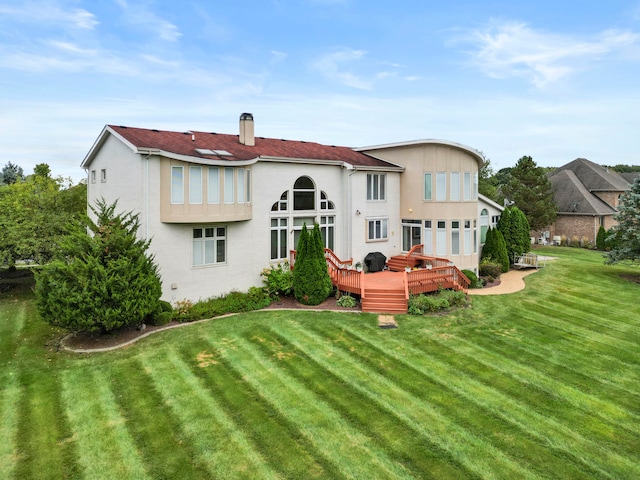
(425, 280)
(442, 274)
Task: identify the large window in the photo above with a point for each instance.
(195, 185)
(428, 186)
(410, 233)
(209, 245)
(441, 238)
(484, 224)
(229, 194)
(455, 186)
(467, 237)
(177, 185)
(304, 194)
(327, 230)
(428, 238)
(455, 237)
(241, 185)
(441, 186)
(376, 186)
(279, 232)
(377, 229)
(213, 185)
(467, 186)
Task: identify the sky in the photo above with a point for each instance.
(553, 79)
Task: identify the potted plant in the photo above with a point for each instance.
(359, 267)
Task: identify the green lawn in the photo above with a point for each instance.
(544, 383)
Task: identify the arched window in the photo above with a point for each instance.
(304, 194)
(325, 203)
(484, 224)
(281, 205)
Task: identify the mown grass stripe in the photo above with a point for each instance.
(553, 433)
(351, 451)
(10, 395)
(105, 448)
(477, 455)
(221, 446)
(153, 426)
(508, 437)
(595, 418)
(401, 441)
(597, 374)
(272, 433)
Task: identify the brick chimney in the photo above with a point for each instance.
(247, 136)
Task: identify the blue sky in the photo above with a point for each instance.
(556, 80)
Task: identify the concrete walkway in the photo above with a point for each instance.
(510, 282)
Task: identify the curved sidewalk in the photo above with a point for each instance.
(510, 282)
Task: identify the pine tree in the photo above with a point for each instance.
(601, 239)
(311, 281)
(103, 278)
(625, 238)
(530, 189)
(495, 249)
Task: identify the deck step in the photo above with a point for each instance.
(384, 301)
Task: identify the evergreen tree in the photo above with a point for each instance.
(523, 230)
(625, 240)
(530, 189)
(11, 174)
(514, 227)
(601, 239)
(495, 249)
(103, 278)
(311, 281)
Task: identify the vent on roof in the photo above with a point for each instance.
(206, 151)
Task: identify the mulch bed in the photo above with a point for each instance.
(92, 341)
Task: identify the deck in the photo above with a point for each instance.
(388, 291)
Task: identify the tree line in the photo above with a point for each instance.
(34, 212)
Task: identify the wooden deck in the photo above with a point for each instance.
(388, 291)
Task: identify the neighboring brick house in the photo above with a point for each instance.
(587, 196)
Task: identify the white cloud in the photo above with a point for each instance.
(513, 49)
(332, 66)
(45, 12)
(140, 16)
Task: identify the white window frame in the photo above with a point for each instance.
(328, 230)
(441, 238)
(441, 186)
(377, 229)
(103, 175)
(467, 237)
(93, 176)
(376, 187)
(427, 239)
(213, 185)
(455, 237)
(279, 226)
(467, 186)
(229, 183)
(177, 185)
(455, 186)
(428, 180)
(195, 185)
(248, 188)
(209, 237)
(241, 185)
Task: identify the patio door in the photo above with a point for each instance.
(411, 233)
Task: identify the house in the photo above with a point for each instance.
(587, 196)
(219, 208)
(489, 214)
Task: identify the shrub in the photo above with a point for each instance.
(162, 315)
(347, 301)
(103, 278)
(601, 239)
(473, 278)
(234, 302)
(489, 268)
(278, 280)
(435, 302)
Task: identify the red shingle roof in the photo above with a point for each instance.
(181, 143)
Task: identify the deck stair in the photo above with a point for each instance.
(384, 300)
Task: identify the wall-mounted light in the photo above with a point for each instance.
(411, 210)
(357, 212)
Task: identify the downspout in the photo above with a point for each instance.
(349, 221)
(146, 195)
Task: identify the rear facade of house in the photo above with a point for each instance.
(220, 208)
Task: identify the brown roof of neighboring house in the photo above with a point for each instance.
(630, 177)
(573, 197)
(188, 144)
(594, 177)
